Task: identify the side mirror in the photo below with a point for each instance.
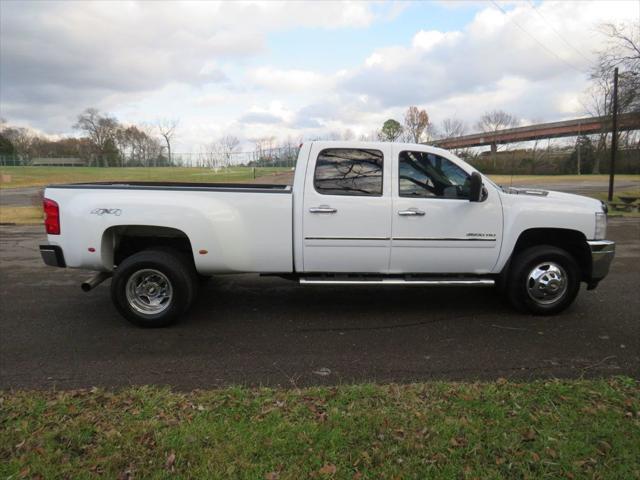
(475, 187)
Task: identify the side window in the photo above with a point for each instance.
(424, 174)
(348, 171)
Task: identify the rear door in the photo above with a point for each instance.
(347, 209)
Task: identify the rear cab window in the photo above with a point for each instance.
(349, 171)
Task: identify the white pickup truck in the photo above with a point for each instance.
(357, 214)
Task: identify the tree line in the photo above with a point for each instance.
(417, 127)
(105, 142)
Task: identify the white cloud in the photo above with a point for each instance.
(60, 57)
(288, 80)
(212, 65)
(276, 112)
(210, 100)
(373, 60)
(492, 62)
(426, 40)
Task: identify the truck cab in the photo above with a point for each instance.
(393, 209)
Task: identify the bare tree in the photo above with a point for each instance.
(496, 120)
(452, 127)
(415, 123)
(430, 133)
(207, 156)
(264, 149)
(101, 130)
(21, 138)
(227, 146)
(6, 146)
(622, 50)
(151, 147)
(138, 146)
(167, 130)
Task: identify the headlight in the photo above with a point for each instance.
(601, 226)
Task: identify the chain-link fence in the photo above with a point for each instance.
(13, 161)
(518, 162)
(264, 157)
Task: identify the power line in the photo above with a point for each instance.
(544, 19)
(569, 64)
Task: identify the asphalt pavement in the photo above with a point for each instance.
(249, 330)
(21, 197)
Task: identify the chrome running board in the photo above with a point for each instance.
(448, 282)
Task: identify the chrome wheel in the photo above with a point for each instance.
(547, 283)
(149, 292)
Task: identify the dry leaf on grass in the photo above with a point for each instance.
(328, 469)
(171, 459)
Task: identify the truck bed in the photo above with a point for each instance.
(231, 227)
(181, 186)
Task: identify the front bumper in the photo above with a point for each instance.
(52, 255)
(602, 253)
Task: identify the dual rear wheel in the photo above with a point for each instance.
(153, 288)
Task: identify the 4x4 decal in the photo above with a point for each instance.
(106, 211)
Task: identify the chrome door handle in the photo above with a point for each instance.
(412, 212)
(323, 209)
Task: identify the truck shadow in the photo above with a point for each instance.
(342, 307)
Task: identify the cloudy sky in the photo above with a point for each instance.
(295, 69)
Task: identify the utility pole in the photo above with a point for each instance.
(614, 133)
(578, 144)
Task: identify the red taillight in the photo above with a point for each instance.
(51, 216)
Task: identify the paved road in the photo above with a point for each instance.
(20, 197)
(267, 331)
(587, 187)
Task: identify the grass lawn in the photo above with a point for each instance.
(551, 179)
(616, 199)
(16, 177)
(542, 429)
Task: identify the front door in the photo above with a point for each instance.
(435, 228)
(347, 210)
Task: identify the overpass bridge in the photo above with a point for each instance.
(567, 128)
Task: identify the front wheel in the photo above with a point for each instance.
(544, 280)
(153, 288)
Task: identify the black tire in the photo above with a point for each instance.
(521, 288)
(175, 270)
(203, 279)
